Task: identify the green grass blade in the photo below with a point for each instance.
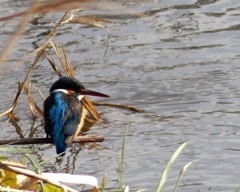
(50, 159)
(184, 169)
(15, 150)
(168, 167)
(34, 164)
(36, 168)
(122, 157)
(104, 183)
(238, 190)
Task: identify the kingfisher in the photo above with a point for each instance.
(64, 111)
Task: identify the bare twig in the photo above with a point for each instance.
(23, 141)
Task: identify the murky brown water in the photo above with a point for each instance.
(181, 64)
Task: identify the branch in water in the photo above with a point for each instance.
(24, 141)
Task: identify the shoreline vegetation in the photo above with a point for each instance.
(16, 176)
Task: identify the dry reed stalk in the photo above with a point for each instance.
(18, 128)
(53, 6)
(54, 67)
(13, 164)
(32, 104)
(90, 21)
(30, 100)
(31, 174)
(39, 52)
(64, 5)
(38, 7)
(39, 92)
(16, 35)
(131, 108)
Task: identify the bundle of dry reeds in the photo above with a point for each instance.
(70, 7)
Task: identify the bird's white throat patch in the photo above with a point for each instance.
(80, 97)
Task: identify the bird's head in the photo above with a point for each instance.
(70, 85)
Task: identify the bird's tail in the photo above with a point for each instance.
(60, 144)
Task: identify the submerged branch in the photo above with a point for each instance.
(24, 141)
(131, 108)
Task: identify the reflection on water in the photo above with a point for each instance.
(181, 63)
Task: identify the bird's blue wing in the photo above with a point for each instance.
(54, 113)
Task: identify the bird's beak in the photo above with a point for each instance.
(93, 93)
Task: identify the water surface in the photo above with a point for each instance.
(180, 64)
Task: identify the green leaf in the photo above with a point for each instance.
(169, 165)
(9, 179)
(184, 169)
(52, 188)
